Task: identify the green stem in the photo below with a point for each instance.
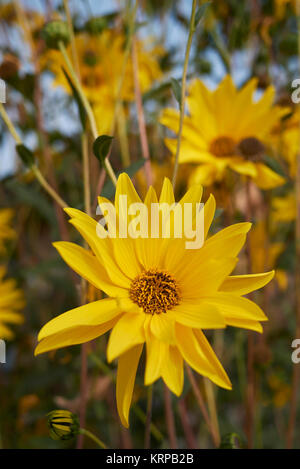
(93, 437)
(86, 173)
(34, 168)
(48, 188)
(86, 106)
(192, 30)
(10, 125)
(72, 36)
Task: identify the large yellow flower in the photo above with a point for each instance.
(6, 230)
(101, 60)
(226, 128)
(159, 294)
(11, 302)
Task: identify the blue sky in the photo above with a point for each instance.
(175, 36)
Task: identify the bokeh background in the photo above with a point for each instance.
(247, 39)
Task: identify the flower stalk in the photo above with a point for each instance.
(192, 30)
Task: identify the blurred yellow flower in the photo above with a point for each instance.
(159, 293)
(226, 128)
(101, 60)
(284, 208)
(280, 7)
(285, 141)
(281, 390)
(6, 230)
(11, 302)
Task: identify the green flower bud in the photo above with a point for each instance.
(231, 441)
(55, 32)
(96, 25)
(63, 425)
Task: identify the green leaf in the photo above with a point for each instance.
(176, 88)
(31, 196)
(109, 188)
(101, 147)
(26, 155)
(201, 12)
(81, 109)
(156, 92)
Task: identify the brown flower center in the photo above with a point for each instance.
(222, 146)
(251, 148)
(155, 291)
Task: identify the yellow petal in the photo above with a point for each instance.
(244, 324)
(227, 242)
(156, 356)
(233, 306)
(197, 315)
(162, 327)
(167, 194)
(209, 213)
(241, 166)
(73, 336)
(125, 187)
(11, 317)
(91, 314)
(89, 267)
(127, 367)
(172, 370)
(199, 280)
(267, 178)
(102, 249)
(220, 377)
(128, 332)
(204, 174)
(191, 351)
(243, 284)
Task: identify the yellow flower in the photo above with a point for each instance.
(6, 231)
(159, 294)
(280, 8)
(284, 208)
(101, 60)
(285, 141)
(226, 129)
(11, 302)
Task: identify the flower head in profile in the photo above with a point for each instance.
(63, 424)
(226, 129)
(6, 231)
(101, 58)
(159, 294)
(11, 303)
